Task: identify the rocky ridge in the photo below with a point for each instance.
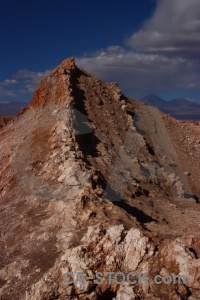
(94, 181)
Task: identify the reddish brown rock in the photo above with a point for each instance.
(92, 180)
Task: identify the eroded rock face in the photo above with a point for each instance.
(113, 249)
(92, 181)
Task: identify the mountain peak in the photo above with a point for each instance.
(88, 184)
(68, 63)
(153, 100)
(180, 108)
(55, 88)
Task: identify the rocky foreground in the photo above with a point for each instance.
(92, 181)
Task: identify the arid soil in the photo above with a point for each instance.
(92, 181)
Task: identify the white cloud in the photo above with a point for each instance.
(164, 55)
(30, 79)
(174, 29)
(24, 81)
(139, 73)
(7, 82)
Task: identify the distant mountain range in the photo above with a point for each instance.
(179, 108)
(11, 108)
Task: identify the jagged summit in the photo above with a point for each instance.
(55, 87)
(89, 182)
(67, 84)
(68, 63)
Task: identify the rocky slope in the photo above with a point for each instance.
(92, 181)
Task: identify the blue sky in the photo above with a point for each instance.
(147, 46)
